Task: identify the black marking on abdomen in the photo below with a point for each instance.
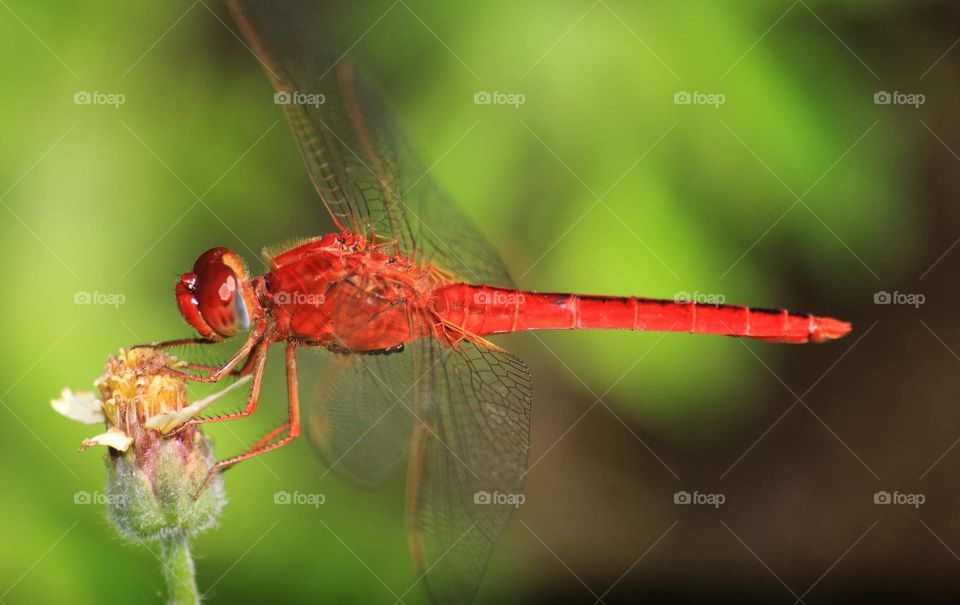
(345, 351)
(766, 311)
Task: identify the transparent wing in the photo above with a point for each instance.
(468, 411)
(361, 166)
(361, 420)
(468, 459)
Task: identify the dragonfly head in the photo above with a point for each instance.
(217, 298)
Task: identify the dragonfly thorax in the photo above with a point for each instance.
(336, 291)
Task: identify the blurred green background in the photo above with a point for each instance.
(798, 191)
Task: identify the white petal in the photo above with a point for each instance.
(82, 406)
(114, 438)
(167, 421)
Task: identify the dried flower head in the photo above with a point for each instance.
(154, 461)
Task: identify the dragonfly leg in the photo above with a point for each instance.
(209, 368)
(242, 371)
(269, 441)
(258, 362)
(179, 342)
(256, 337)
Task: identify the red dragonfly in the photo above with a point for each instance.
(399, 295)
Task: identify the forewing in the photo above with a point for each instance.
(361, 166)
(468, 460)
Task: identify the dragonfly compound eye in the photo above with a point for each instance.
(213, 298)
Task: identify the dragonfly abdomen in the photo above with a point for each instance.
(484, 310)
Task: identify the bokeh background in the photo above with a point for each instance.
(799, 190)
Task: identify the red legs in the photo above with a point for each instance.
(270, 441)
(215, 373)
(180, 342)
(258, 363)
(256, 337)
(253, 355)
(271, 436)
(242, 371)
